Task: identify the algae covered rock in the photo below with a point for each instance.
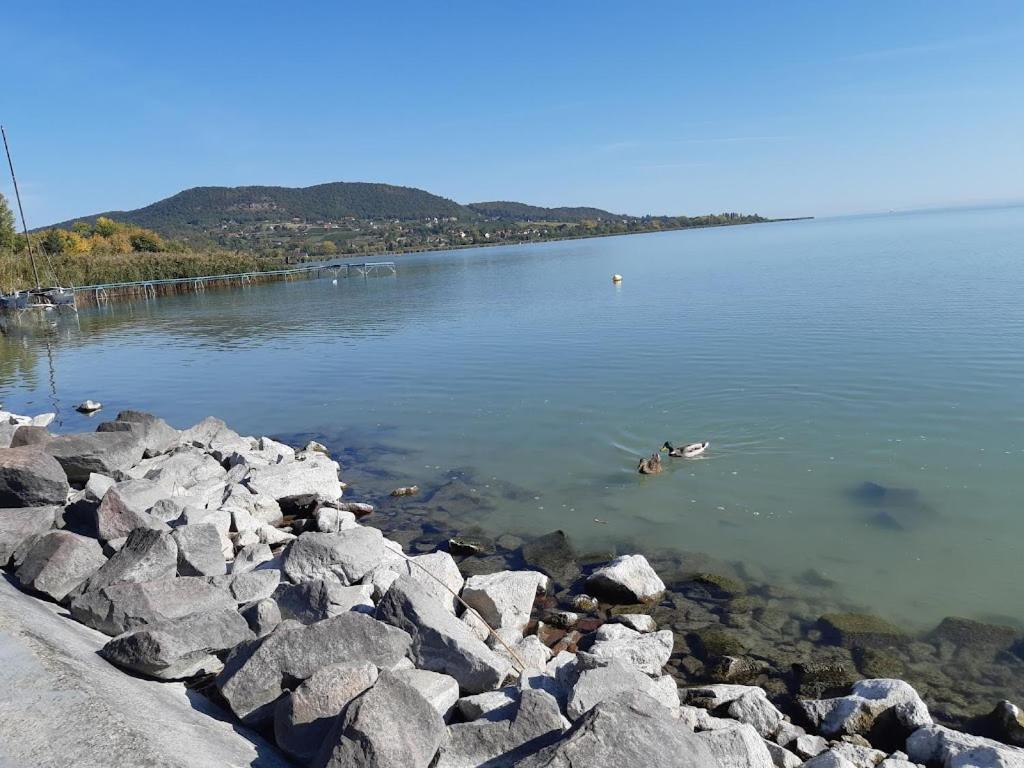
(864, 630)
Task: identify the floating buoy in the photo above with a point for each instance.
(616, 278)
(89, 406)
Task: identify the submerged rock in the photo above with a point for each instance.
(851, 630)
(554, 555)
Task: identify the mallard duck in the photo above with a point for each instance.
(650, 465)
(688, 451)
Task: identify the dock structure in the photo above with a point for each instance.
(150, 288)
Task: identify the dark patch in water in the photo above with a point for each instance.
(893, 509)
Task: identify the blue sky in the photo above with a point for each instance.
(778, 108)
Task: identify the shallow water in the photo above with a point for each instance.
(816, 356)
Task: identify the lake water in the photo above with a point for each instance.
(815, 356)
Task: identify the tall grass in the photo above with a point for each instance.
(95, 268)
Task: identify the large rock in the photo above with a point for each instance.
(262, 616)
(346, 556)
(503, 600)
(738, 747)
(501, 744)
(648, 653)
(155, 434)
(553, 554)
(303, 717)
(123, 607)
(944, 747)
(599, 683)
(179, 648)
(436, 571)
(261, 508)
(147, 555)
(248, 586)
(630, 729)
(440, 642)
(316, 600)
(125, 507)
(107, 453)
(181, 470)
(626, 579)
(365, 735)
(313, 479)
(214, 435)
(21, 523)
(63, 705)
(199, 550)
(442, 691)
(860, 630)
(57, 562)
(31, 478)
(869, 700)
(257, 673)
(754, 709)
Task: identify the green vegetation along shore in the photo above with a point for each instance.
(223, 230)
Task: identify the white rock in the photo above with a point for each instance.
(754, 709)
(504, 600)
(857, 713)
(331, 520)
(648, 653)
(829, 759)
(937, 745)
(629, 578)
(442, 691)
(640, 622)
(739, 747)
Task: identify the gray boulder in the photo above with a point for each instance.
(57, 562)
(155, 434)
(125, 507)
(739, 747)
(829, 759)
(366, 734)
(503, 600)
(754, 709)
(262, 508)
(31, 478)
(537, 723)
(262, 616)
(626, 579)
(346, 556)
(248, 586)
(867, 702)
(437, 572)
(20, 523)
(492, 705)
(179, 648)
(199, 550)
(944, 747)
(181, 471)
(440, 642)
(107, 453)
(147, 555)
(599, 683)
(257, 673)
(127, 606)
(630, 729)
(314, 601)
(442, 691)
(647, 652)
(249, 557)
(640, 622)
(213, 434)
(313, 479)
(331, 520)
(303, 717)
(63, 705)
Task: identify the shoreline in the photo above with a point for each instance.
(265, 544)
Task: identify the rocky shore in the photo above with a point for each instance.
(241, 567)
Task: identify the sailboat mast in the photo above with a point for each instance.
(21, 211)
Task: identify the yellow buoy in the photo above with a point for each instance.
(616, 278)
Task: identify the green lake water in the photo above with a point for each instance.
(815, 356)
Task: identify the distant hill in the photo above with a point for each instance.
(343, 218)
(522, 212)
(208, 208)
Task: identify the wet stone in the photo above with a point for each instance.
(860, 629)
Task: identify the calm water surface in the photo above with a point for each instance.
(816, 356)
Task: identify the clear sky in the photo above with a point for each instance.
(783, 108)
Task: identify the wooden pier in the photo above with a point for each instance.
(151, 288)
